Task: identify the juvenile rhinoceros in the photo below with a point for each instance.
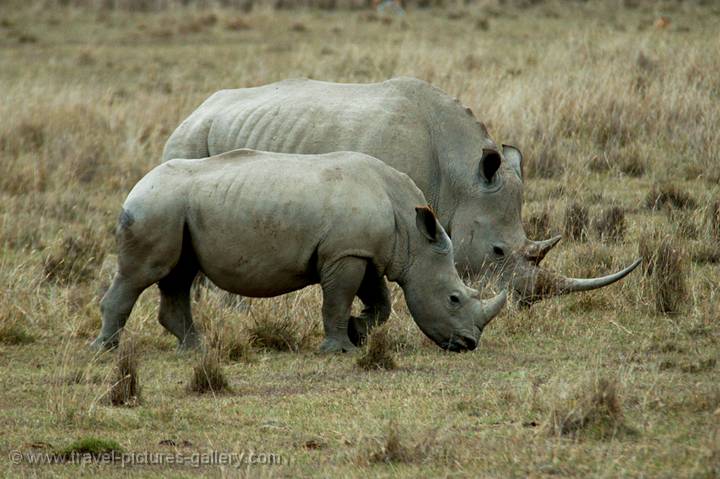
(474, 186)
(264, 224)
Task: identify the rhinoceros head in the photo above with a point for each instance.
(447, 311)
(489, 238)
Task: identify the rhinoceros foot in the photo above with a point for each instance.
(104, 344)
(190, 343)
(331, 345)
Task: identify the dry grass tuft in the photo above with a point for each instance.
(711, 455)
(379, 350)
(669, 196)
(629, 160)
(594, 410)
(576, 222)
(598, 164)
(92, 446)
(208, 20)
(125, 387)
(393, 449)
(13, 334)
(669, 277)
(538, 226)
(278, 333)
(396, 447)
(74, 260)
(595, 259)
(13, 331)
(28, 134)
(403, 334)
(701, 253)
(684, 225)
(699, 366)
(646, 250)
(80, 376)
(611, 225)
(547, 162)
(237, 24)
(232, 343)
(712, 220)
(298, 27)
(208, 375)
(198, 24)
(632, 165)
(482, 24)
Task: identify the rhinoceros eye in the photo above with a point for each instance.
(498, 251)
(454, 300)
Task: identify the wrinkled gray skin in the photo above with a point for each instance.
(265, 224)
(474, 187)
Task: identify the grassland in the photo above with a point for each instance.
(607, 103)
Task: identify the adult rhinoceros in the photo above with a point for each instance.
(475, 187)
(264, 224)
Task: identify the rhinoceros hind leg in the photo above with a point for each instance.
(116, 305)
(340, 283)
(175, 314)
(375, 295)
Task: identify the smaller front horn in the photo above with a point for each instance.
(536, 250)
(491, 308)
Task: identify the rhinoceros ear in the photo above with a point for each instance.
(514, 158)
(427, 223)
(489, 164)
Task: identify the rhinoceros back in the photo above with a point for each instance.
(311, 117)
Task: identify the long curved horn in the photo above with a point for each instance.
(572, 285)
(533, 283)
(491, 308)
(536, 250)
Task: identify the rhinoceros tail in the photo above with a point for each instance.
(183, 273)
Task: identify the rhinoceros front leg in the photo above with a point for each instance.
(375, 295)
(340, 283)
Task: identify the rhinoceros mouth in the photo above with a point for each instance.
(458, 344)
